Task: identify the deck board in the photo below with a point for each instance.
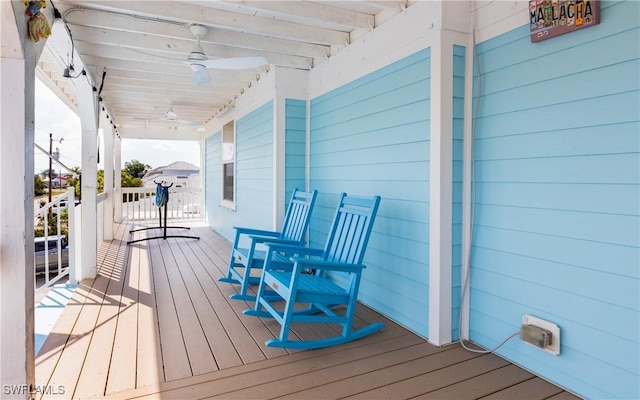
(235, 345)
(534, 388)
(344, 367)
(149, 367)
(490, 382)
(82, 358)
(398, 364)
(198, 351)
(94, 372)
(122, 368)
(156, 323)
(175, 358)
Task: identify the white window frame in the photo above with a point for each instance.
(228, 157)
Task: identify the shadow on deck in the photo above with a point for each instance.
(155, 323)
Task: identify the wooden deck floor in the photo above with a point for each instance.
(156, 323)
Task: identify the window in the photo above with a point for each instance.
(228, 163)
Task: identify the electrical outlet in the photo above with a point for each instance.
(541, 334)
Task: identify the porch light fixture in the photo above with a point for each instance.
(68, 70)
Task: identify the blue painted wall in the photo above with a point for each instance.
(556, 231)
(295, 146)
(254, 175)
(456, 214)
(254, 168)
(371, 137)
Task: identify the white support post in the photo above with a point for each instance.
(467, 186)
(73, 235)
(107, 133)
(279, 114)
(307, 146)
(88, 107)
(18, 58)
(203, 173)
(117, 212)
(441, 186)
(16, 264)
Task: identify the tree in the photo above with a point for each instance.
(129, 181)
(74, 181)
(39, 185)
(130, 176)
(100, 175)
(135, 168)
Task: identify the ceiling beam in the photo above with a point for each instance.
(188, 13)
(179, 69)
(218, 79)
(391, 5)
(84, 17)
(312, 13)
(160, 132)
(156, 54)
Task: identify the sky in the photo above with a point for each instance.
(52, 115)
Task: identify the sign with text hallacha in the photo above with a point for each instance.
(550, 18)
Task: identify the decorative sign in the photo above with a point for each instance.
(550, 18)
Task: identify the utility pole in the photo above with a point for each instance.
(50, 172)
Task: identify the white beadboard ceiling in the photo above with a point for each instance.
(137, 46)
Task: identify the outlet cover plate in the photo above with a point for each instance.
(554, 347)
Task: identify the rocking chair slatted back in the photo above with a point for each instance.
(297, 217)
(350, 231)
(244, 259)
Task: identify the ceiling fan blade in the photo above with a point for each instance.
(234, 63)
(188, 122)
(200, 74)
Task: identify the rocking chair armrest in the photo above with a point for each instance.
(256, 232)
(275, 240)
(301, 250)
(327, 265)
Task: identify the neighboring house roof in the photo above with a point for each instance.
(179, 172)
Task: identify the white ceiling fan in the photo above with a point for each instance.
(199, 62)
(171, 116)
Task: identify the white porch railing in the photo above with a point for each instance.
(55, 253)
(138, 204)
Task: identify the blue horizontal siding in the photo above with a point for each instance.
(581, 253)
(295, 146)
(254, 168)
(622, 229)
(585, 197)
(557, 213)
(609, 110)
(602, 169)
(371, 137)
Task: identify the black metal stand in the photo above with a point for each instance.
(162, 226)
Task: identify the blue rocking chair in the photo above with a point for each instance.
(244, 259)
(330, 279)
